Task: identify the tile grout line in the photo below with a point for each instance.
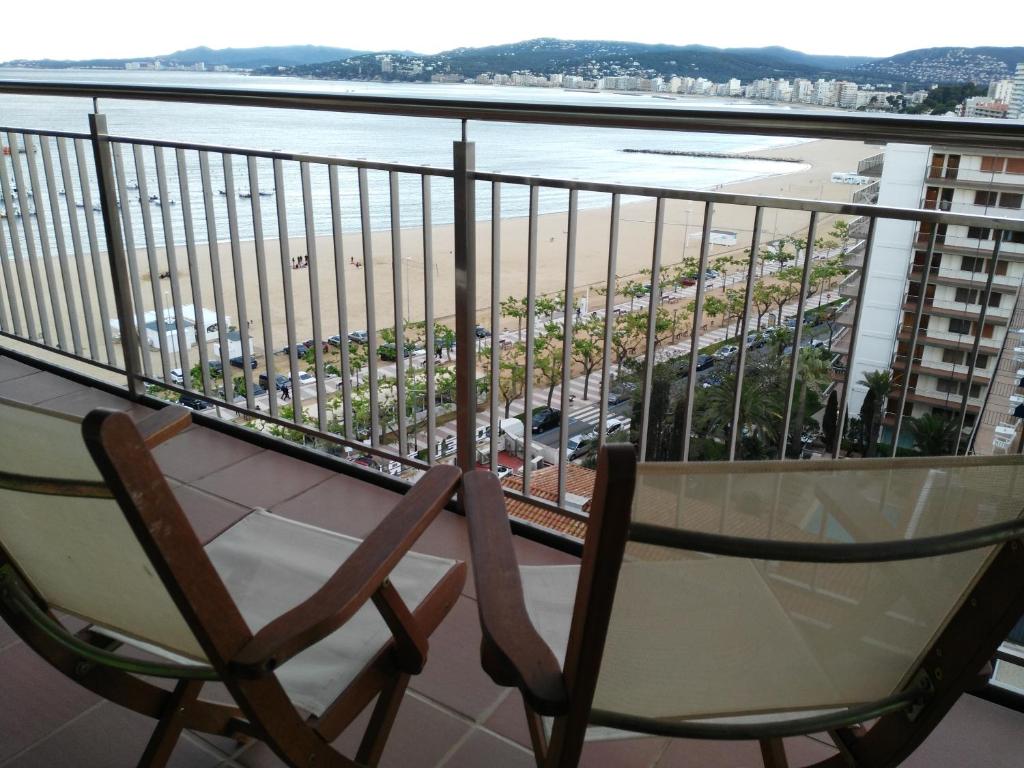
(54, 732)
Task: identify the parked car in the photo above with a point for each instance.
(711, 381)
(300, 350)
(194, 402)
(239, 362)
(755, 341)
(386, 351)
(280, 380)
(481, 332)
(704, 362)
(309, 344)
(305, 378)
(727, 351)
(613, 425)
(334, 341)
(359, 337)
(687, 281)
(177, 377)
(614, 398)
(581, 445)
(545, 418)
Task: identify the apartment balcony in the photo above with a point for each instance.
(959, 278)
(88, 326)
(943, 370)
(872, 166)
(994, 315)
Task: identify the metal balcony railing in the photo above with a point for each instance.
(138, 255)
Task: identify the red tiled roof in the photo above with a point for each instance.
(579, 481)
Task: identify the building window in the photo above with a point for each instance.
(995, 299)
(1013, 237)
(954, 356)
(982, 361)
(1011, 200)
(954, 387)
(1015, 165)
(966, 296)
(956, 325)
(984, 197)
(980, 233)
(972, 264)
(993, 164)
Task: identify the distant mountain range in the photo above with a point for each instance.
(235, 58)
(597, 58)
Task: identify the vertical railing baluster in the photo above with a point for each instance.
(238, 278)
(163, 315)
(609, 314)
(44, 242)
(15, 253)
(531, 332)
(918, 314)
(794, 369)
(66, 278)
(8, 309)
(342, 297)
(857, 314)
(195, 285)
(567, 336)
(371, 306)
(171, 260)
(77, 250)
(495, 318)
(396, 285)
(30, 244)
(430, 404)
(314, 297)
(216, 278)
(653, 301)
(24, 285)
(285, 260)
(130, 347)
(465, 300)
(131, 255)
(980, 325)
(99, 282)
(698, 315)
(741, 356)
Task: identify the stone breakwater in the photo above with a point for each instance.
(721, 155)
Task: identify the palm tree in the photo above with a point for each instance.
(934, 435)
(811, 377)
(880, 383)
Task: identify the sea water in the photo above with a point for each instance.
(589, 154)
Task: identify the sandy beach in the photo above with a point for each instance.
(682, 233)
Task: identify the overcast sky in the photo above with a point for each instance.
(122, 29)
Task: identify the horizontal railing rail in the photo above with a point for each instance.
(1003, 134)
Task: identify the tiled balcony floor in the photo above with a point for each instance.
(453, 716)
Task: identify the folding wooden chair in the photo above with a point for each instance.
(756, 601)
(275, 610)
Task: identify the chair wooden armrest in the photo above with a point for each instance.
(514, 654)
(164, 424)
(359, 578)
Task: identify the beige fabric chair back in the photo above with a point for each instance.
(79, 554)
(689, 633)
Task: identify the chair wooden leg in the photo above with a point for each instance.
(538, 739)
(773, 753)
(168, 728)
(383, 717)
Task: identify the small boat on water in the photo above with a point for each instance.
(245, 195)
(222, 192)
(132, 185)
(267, 194)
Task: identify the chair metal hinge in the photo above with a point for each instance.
(922, 682)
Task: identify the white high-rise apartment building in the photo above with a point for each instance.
(1000, 90)
(1017, 98)
(846, 94)
(962, 181)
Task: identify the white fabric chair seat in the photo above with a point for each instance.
(709, 629)
(270, 564)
